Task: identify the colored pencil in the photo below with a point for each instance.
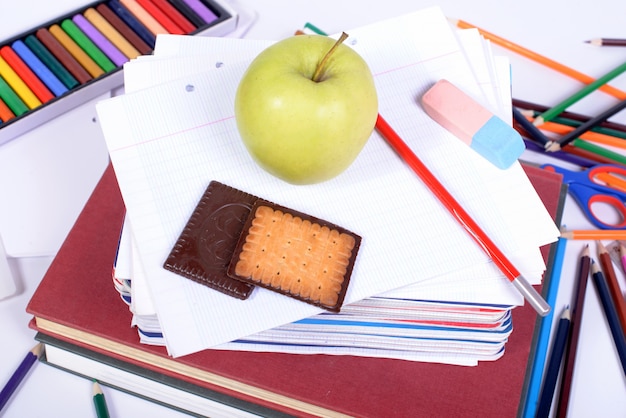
(501, 261)
(616, 157)
(522, 104)
(594, 234)
(11, 99)
(612, 181)
(76, 51)
(589, 88)
(6, 114)
(601, 129)
(19, 374)
(607, 42)
(18, 85)
(177, 17)
(563, 128)
(39, 68)
(161, 17)
(103, 16)
(577, 309)
(99, 402)
(531, 129)
(26, 74)
(610, 312)
(559, 155)
(51, 62)
(144, 17)
(554, 365)
(614, 288)
(583, 78)
(100, 41)
(111, 33)
(599, 159)
(622, 251)
(550, 289)
(138, 27)
(584, 127)
(86, 44)
(188, 12)
(63, 55)
(202, 10)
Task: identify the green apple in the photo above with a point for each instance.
(305, 108)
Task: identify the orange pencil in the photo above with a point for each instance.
(591, 136)
(614, 289)
(111, 33)
(23, 70)
(5, 113)
(594, 234)
(76, 51)
(144, 17)
(161, 17)
(563, 69)
(17, 84)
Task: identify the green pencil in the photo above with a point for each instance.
(87, 45)
(598, 150)
(99, 402)
(559, 108)
(11, 99)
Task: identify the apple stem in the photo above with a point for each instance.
(320, 67)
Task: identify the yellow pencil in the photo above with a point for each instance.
(76, 51)
(18, 85)
(594, 234)
(111, 33)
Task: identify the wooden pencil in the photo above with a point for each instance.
(99, 402)
(531, 129)
(613, 283)
(607, 42)
(577, 75)
(594, 234)
(20, 373)
(577, 308)
(558, 128)
(610, 312)
(616, 157)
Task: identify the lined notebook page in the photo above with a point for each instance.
(168, 142)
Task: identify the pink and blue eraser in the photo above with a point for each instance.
(473, 124)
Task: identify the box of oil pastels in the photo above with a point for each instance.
(79, 56)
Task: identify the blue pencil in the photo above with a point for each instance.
(19, 374)
(541, 350)
(554, 365)
(611, 312)
(130, 20)
(39, 68)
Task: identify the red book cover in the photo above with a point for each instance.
(77, 292)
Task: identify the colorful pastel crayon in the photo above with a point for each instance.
(473, 124)
(86, 44)
(26, 74)
(188, 12)
(50, 62)
(115, 36)
(12, 100)
(39, 68)
(138, 27)
(102, 42)
(175, 15)
(161, 17)
(63, 55)
(202, 10)
(18, 85)
(6, 114)
(76, 51)
(144, 17)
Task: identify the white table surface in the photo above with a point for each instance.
(51, 171)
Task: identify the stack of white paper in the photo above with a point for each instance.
(174, 131)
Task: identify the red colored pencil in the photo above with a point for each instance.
(26, 74)
(611, 279)
(409, 157)
(175, 15)
(5, 113)
(161, 17)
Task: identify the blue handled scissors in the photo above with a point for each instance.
(587, 189)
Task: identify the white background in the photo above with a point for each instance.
(53, 169)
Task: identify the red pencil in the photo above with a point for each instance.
(614, 288)
(175, 15)
(409, 157)
(26, 74)
(161, 17)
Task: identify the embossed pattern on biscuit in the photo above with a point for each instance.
(296, 256)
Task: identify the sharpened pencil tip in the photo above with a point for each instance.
(552, 146)
(538, 121)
